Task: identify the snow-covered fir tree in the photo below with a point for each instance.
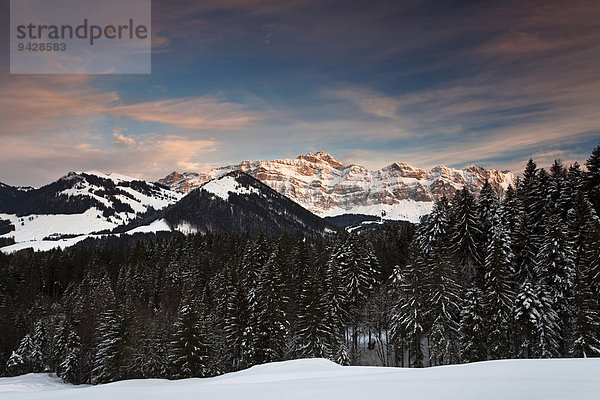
(70, 370)
(473, 327)
(410, 314)
(110, 358)
(236, 322)
(336, 314)
(442, 300)
(270, 318)
(499, 293)
(189, 346)
(314, 331)
(465, 236)
(537, 328)
(437, 226)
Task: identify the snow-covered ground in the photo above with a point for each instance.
(224, 186)
(38, 244)
(403, 210)
(313, 379)
(42, 231)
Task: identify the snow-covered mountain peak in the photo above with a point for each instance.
(112, 176)
(325, 186)
(226, 185)
(321, 157)
(405, 170)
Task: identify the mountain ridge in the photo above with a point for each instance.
(328, 187)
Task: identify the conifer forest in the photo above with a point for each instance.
(485, 276)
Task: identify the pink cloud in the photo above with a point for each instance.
(200, 113)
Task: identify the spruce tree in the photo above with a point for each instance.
(410, 314)
(583, 230)
(593, 178)
(272, 325)
(526, 311)
(314, 331)
(473, 328)
(536, 323)
(39, 355)
(110, 358)
(15, 365)
(547, 342)
(487, 205)
(499, 294)
(442, 299)
(60, 344)
(237, 324)
(23, 360)
(70, 364)
(555, 269)
(436, 227)
(336, 314)
(360, 274)
(189, 348)
(466, 236)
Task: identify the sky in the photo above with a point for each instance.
(490, 83)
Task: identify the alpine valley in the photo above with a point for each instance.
(294, 195)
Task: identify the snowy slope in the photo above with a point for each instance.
(314, 379)
(227, 185)
(327, 187)
(239, 203)
(70, 209)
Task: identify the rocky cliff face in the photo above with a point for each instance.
(327, 187)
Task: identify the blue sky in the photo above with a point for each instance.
(371, 82)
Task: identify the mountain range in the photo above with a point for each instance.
(293, 195)
(327, 187)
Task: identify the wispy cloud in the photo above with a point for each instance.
(150, 157)
(122, 140)
(200, 113)
(367, 100)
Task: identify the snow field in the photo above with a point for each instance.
(546, 379)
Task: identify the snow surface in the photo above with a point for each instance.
(38, 226)
(31, 230)
(310, 379)
(45, 245)
(116, 178)
(403, 210)
(224, 186)
(159, 225)
(33, 383)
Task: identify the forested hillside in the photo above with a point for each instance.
(482, 278)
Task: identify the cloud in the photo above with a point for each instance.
(200, 113)
(122, 140)
(31, 104)
(367, 100)
(150, 158)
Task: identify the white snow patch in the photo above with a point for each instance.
(228, 184)
(404, 210)
(159, 225)
(116, 178)
(45, 245)
(550, 379)
(33, 383)
(186, 228)
(38, 226)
